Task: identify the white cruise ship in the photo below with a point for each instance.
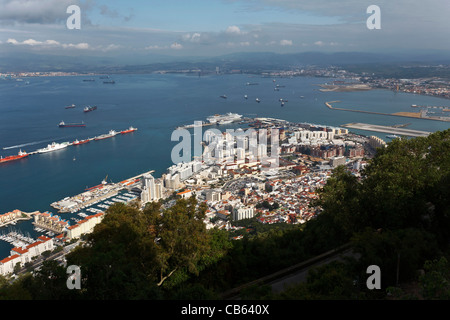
(224, 118)
(53, 147)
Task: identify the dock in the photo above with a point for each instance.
(415, 115)
(387, 129)
(95, 195)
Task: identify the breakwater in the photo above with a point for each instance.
(415, 115)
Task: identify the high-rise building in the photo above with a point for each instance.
(151, 190)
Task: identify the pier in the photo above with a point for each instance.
(17, 239)
(387, 129)
(415, 115)
(95, 195)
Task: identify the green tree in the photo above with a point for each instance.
(435, 282)
(119, 259)
(181, 237)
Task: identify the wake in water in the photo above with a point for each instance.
(32, 143)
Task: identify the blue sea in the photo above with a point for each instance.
(30, 111)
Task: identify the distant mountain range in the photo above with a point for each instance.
(245, 61)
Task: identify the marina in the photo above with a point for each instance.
(17, 239)
(102, 196)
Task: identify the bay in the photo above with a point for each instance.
(156, 104)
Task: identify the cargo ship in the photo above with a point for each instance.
(111, 134)
(20, 155)
(78, 142)
(99, 186)
(62, 124)
(53, 147)
(130, 129)
(70, 107)
(89, 108)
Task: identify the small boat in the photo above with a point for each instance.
(257, 100)
(70, 107)
(392, 136)
(223, 96)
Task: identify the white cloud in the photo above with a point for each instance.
(176, 46)
(112, 47)
(52, 42)
(155, 47)
(286, 42)
(32, 42)
(81, 46)
(195, 37)
(233, 30)
(48, 43)
(12, 41)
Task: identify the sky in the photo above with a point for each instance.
(216, 27)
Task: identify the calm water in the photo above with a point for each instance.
(155, 104)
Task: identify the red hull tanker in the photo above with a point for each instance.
(130, 129)
(20, 155)
(76, 142)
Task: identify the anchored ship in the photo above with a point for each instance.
(89, 108)
(20, 155)
(53, 147)
(78, 142)
(111, 134)
(130, 129)
(62, 124)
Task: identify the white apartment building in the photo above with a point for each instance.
(25, 254)
(84, 226)
(240, 213)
